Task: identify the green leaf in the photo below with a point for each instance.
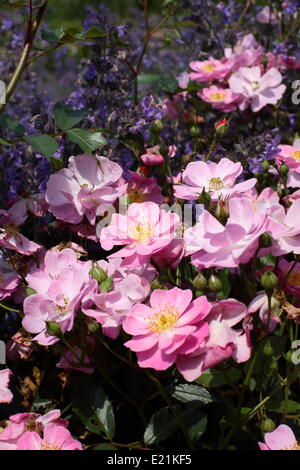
(87, 140)
(104, 446)
(57, 163)
(5, 142)
(195, 422)
(279, 407)
(216, 378)
(54, 35)
(94, 409)
(191, 393)
(11, 124)
(66, 117)
(161, 426)
(44, 144)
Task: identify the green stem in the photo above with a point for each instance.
(9, 308)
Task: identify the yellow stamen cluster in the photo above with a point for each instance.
(295, 446)
(63, 309)
(215, 184)
(135, 196)
(208, 68)
(140, 232)
(294, 278)
(218, 96)
(164, 319)
(296, 155)
(49, 446)
(33, 426)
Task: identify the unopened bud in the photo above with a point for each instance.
(222, 210)
(93, 327)
(200, 282)
(264, 60)
(198, 293)
(222, 127)
(53, 329)
(157, 126)
(98, 273)
(158, 284)
(265, 165)
(265, 240)
(195, 131)
(215, 283)
(268, 280)
(267, 349)
(204, 198)
(106, 285)
(267, 425)
(284, 169)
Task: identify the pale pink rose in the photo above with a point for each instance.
(183, 80)
(60, 283)
(267, 16)
(246, 53)
(216, 178)
(154, 157)
(282, 438)
(257, 89)
(78, 190)
(141, 189)
(260, 304)
(233, 244)
(5, 394)
(220, 98)
(290, 155)
(55, 438)
(211, 69)
(222, 341)
(110, 309)
(9, 279)
(171, 324)
(288, 238)
(145, 230)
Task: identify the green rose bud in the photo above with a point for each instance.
(267, 349)
(265, 165)
(198, 293)
(284, 169)
(53, 329)
(267, 425)
(268, 280)
(157, 126)
(106, 285)
(265, 240)
(98, 273)
(195, 131)
(204, 198)
(200, 282)
(93, 327)
(214, 283)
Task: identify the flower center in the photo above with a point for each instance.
(135, 196)
(218, 96)
(255, 85)
(49, 446)
(33, 426)
(296, 155)
(11, 229)
(215, 184)
(294, 278)
(63, 308)
(140, 232)
(295, 446)
(163, 320)
(208, 68)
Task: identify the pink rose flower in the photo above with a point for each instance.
(257, 89)
(220, 98)
(282, 438)
(78, 190)
(222, 341)
(216, 178)
(9, 279)
(55, 438)
(267, 16)
(211, 69)
(145, 230)
(171, 324)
